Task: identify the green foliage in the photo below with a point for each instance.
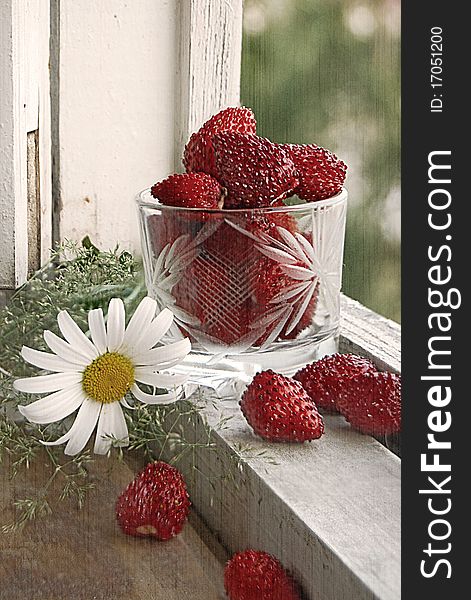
(78, 278)
(329, 73)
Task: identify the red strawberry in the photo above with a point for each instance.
(281, 218)
(256, 575)
(199, 152)
(165, 228)
(272, 281)
(321, 173)
(255, 171)
(372, 403)
(209, 292)
(279, 409)
(219, 287)
(155, 503)
(324, 379)
(189, 190)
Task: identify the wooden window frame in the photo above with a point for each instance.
(25, 146)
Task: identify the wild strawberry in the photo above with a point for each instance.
(270, 283)
(165, 228)
(189, 190)
(321, 174)
(324, 379)
(212, 291)
(255, 171)
(372, 403)
(256, 575)
(280, 218)
(199, 152)
(155, 503)
(279, 409)
(219, 288)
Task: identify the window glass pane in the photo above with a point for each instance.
(328, 72)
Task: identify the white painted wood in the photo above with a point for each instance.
(210, 49)
(41, 48)
(24, 107)
(329, 510)
(135, 79)
(116, 113)
(13, 238)
(31, 41)
(369, 334)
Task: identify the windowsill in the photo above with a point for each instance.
(330, 510)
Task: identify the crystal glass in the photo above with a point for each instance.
(252, 288)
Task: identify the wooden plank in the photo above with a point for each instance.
(162, 69)
(369, 334)
(83, 555)
(208, 68)
(44, 166)
(24, 108)
(13, 238)
(329, 510)
(115, 104)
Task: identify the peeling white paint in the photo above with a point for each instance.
(116, 121)
(24, 107)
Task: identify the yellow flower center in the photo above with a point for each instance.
(108, 377)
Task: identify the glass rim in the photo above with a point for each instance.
(143, 201)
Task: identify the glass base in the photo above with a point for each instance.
(231, 374)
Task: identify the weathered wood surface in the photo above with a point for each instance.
(162, 69)
(208, 66)
(330, 510)
(367, 333)
(82, 554)
(24, 108)
(114, 97)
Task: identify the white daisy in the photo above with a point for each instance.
(94, 375)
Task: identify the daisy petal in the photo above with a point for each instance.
(81, 430)
(139, 322)
(64, 350)
(111, 422)
(75, 336)
(83, 426)
(115, 324)
(44, 360)
(47, 383)
(157, 329)
(153, 399)
(125, 403)
(161, 380)
(64, 438)
(164, 354)
(54, 407)
(96, 324)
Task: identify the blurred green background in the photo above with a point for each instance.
(328, 72)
